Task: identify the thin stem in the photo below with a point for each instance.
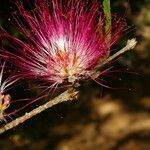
(70, 94)
(130, 45)
(67, 95)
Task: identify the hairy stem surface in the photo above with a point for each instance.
(70, 94)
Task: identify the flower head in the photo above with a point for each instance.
(4, 86)
(63, 40)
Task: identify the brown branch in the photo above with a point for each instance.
(130, 45)
(70, 94)
(67, 95)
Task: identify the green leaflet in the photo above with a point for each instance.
(107, 13)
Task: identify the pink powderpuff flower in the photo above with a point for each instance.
(4, 86)
(63, 41)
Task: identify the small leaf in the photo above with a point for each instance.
(107, 13)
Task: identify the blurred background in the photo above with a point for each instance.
(101, 119)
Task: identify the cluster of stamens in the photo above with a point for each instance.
(4, 104)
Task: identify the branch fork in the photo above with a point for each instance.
(68, 95)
